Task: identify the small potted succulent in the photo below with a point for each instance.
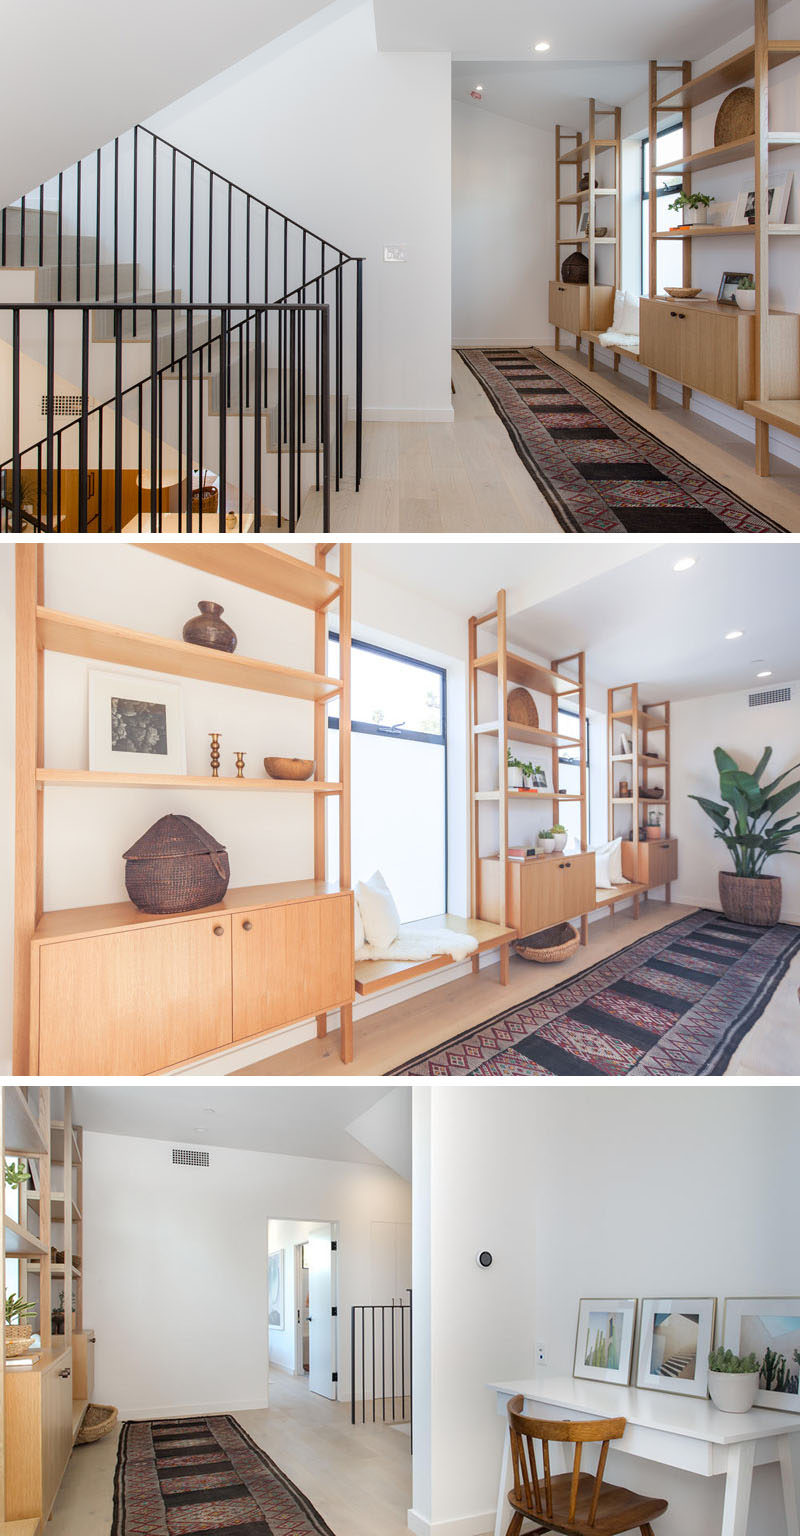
(695, 204)
(732, 1380)
(560, 836)
(746, 293)
(18, 1329)
(545, 841)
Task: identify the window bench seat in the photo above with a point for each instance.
(611, 897)
(594, 339)
(379, 975)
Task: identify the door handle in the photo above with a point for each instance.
(565, 866)
(673, 314)
(65, 1374)
(681, 317)
(247, 927)
(218, 931)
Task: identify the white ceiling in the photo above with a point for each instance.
(299, 1122)
(581, 29)
(541, 93)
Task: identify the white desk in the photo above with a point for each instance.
(685, 1432)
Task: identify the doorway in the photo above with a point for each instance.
(302, 1302)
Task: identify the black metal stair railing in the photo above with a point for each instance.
(143, 229)
(227, 411)
(380, 1363)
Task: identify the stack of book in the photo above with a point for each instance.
(520, 854)
(21, 1363)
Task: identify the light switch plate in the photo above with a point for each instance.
(395, 253)
(541, 1354)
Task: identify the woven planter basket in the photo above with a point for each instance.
(205, 501)
(756, 901)
(521, 709)
(176, 867)
(18, 1339)
(549, 946)
(98, 1420)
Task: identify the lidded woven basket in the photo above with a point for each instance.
(575, 269)
(176, 866)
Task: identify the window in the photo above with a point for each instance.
(670, 252)
(399, 776)
(569, 775)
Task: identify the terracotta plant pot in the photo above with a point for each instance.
(732, 1391)
(756, 901)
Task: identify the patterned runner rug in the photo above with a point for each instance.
(675, 1003)
(598, 470)
(179, 1477)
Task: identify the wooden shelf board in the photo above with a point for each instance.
(583, 197)
(20, 1242)
(530, 733)
(257, 566)
(21, 1129)
(784, 414)
(653, 762)
(581, 152)
(47, 1359)
(643, 800)
(56, 1204)
(528, 673)
(703, 159)
(524, 794)
(77, 636)
(622, 757)
(723, 77)
(57, 1145)
(84, 777)
(700, 231)
(57, 1269)
(649, 722)
(91, 921)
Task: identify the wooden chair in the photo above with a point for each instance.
(576, 1503)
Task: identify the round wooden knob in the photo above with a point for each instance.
(247, 927)
(219, 930)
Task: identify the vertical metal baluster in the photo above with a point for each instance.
(317, 384)
(58, 483)
(41, 225)
(140, 393)
(210, 258)
(294, 478)
(180, 441)
(411, 1366)
(135, 232)
(99, 474)
(172, 256)
(247, 249)
(78, 232)
(266, 301)
(230, 248)
(154, 504)
(303, 341)
(160, 452)
(16, 488)
(117, 420)
(284, 297)
(39, 487)
(59, 292)
(257, 428)
(383, 1360)
(394, 1353)
(326, 420)
(339, 402)
(3, 238)
(22, 232)
(154, 226)
(223, 417)
(359, 369)
(363, 1383)
(402, 1361)
(352, 1365)
(97, 191)
(189, 405)
(83, 431)
(241, 431)
(191, 231)
(278, 414)
(372, 1319)
(51, 371)
(200, 415)
(116, 220)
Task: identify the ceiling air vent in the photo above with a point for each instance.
(186, 1159)
(63, 405)
(770, 696)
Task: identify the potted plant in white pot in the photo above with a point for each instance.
(732, 1380)
(747, 825)
(560, 836)
(18, 1329)
(693, 206)
(515, 779)
(745, 294)
(545, 841)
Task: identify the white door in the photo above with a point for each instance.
(321, 1290)
(390, 1261)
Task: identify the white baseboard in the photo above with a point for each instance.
(516, 341)
(405, 413)
(190, 1410)
(465, 1525)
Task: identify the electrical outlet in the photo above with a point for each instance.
(541, 1354)
(395, 253)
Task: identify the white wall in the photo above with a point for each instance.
(283, 1235)
(698, 726)
(502, 228)
(355, 145)
(175, 1266)
(590, 1193)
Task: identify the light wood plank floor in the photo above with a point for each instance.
(425, 477)
(398, 1032)
(359, 1479)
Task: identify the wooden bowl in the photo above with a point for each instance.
(683, 293)
(297, 768)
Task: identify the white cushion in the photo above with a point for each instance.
(630, 316)
(619, 307)
(608, 864)
(379, 914)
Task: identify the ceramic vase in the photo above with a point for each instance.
(209, 628)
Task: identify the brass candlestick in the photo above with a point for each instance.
(215, 735)
(240, 756)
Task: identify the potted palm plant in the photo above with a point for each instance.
(747, 825)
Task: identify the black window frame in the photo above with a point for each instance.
(399, 733)
(572, 762)
(671, 190)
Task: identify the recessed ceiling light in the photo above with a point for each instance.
(734, 634)
(763, 674)
(541, 47)
(685, 564)
(207, 1110)
(201, 1129)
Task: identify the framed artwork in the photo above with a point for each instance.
(135, 724)
(539, 777)
(728, 286)
(583, 224)
(778, 194)
(604, 1341)
(275, 1289)
(769, 1328)
(674, 1342)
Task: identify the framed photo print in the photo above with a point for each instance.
(674, 1342)
(583, 224)
(728, 285)
(135, 724)
(539, 777)
(604, 1342)
(769, 1328)
(275, 1289)
(778, 194)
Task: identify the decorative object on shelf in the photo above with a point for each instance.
(297, 768)
(583, 184)
(240, 757)
(545, 841)
(600, 232)
(674, 1340)
(521, 708)
(215, 736)
(651, 792)
(275, 1289)
(778, 193)
(696, 205)
(98, 1421)
(550, 946)
(575, 268)
(18, 1333)
(539, 777)
(652, 829)
(560, 835)
(746, 294)
(746, 825)
(736, 118)
(209, 628)
(769, 1328)
(604, 1341)
(729, 283)
(624, 789)
(205, 495)
(176, 866)
(582, 231)
(732, 1380)
(516, 771)
(683, 293)
(625, 744)
(135, 725)
(16, 1174)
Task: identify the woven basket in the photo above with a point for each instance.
(549, 946)
(176, 867)
(18, 1339)
(521, 709)
(756, 901)
(205, 501)
(98, 1420)
(736, 118)
(575, 269)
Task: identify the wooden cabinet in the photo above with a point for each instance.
(290, 963)
(711, 348)
(653, 863)
(83, 1345)
(38, 1424)
(138, 995)
(570, 310)
(541, 892)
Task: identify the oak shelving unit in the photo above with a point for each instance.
(587, 308)
(261, 568)
(752, 63)
(647, 863)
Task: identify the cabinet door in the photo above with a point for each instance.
(569, 306)
(135, 1001)
(662, 865)
(56, 1431)
(711, 354)
(661, 339)
(291, 962)
(555, 889)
